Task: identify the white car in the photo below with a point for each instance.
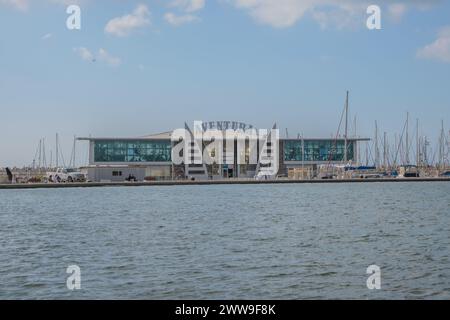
(65, 175)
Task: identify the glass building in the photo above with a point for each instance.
(132, 151)
(319, 150)
(150, 158)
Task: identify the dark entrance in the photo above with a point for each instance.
(228, 172)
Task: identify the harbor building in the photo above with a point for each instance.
(149, 157)
(116, 159)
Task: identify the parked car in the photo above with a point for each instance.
(65, 175)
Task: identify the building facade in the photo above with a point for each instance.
(150, 158)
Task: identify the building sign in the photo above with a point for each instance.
(223, 125)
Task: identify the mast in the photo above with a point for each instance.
(441, 146)
(40, 154)
(72, 155)
(346, 129)
(385, 151)
(407, 138)
(367, 154)
(44, 157)
(396, 150)
(417, 144)
(377, 150)
(56, 153)
(74, 149)
(447, 149)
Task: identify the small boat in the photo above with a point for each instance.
(445, 174)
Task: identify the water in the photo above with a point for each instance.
(227, 241)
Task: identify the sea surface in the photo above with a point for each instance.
(297, 241)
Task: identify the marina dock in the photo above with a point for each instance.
(211, 182)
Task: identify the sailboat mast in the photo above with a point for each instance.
(40, 154)
(385, 150)
(367, 154)
(377, 150)
(417, 144)
(74, 150)
(346, 129)
(407, 138)
(441, 146)
(56, 153)
(44, 156)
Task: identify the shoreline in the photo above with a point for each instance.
(208, 182)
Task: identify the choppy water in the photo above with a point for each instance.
(227, 241)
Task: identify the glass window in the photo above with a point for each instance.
(317, 150)
(132, 151)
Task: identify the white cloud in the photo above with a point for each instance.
(123, 26)
(439, 50)
(177, 20)
(277, 13)
(188, 5)
(106, 57)
(102, 56)
(286, 13)
(17, 4)
(84, 54)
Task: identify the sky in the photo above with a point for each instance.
(141, 67)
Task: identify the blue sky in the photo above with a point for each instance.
(160, 63)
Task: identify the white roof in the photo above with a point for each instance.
(162, 135)
(156, 136)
